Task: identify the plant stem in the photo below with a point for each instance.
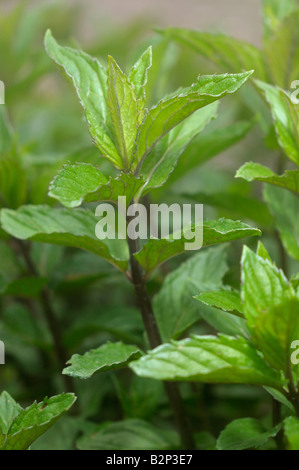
(54, 325)
(154, 337)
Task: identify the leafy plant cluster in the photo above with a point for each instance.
(193, 351)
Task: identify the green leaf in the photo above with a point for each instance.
(286, 119)
(90, 81)
(209, 359)
(125, 184)
(130, 434)
(170, 112)
(255, 172)
(157, 251)
(284, 207)
(9, 409)
(174, 307)
(222, 50)
(35, 420)
(245, 433)
(75, 184)
(107, 357)
(124, 112)
(291, 433)
(271, 309)
(138, 73)
(162, 160)
(67, 227)
(224, 299)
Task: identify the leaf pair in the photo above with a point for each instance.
(270, 306)
(114, 104)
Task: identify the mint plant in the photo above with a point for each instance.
(145, 145)
(164, 347)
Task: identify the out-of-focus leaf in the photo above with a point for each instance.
(225, 51)
(210, 144)
(284, 207)
(245, 433)
(130, 434)
(174, 306)
(274, 11)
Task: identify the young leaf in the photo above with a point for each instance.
(75, 184)
(90, 81)
(209, 359)
(170, 112)
(227, 300)
(138, 73)
(157, 251)
(130, 434)
(67, 227)
(255, 172)
(35, 420)
(245, 433)
(124, 112)
(107, 357)
(286, 119)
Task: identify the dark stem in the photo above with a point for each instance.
(154, 337)
(53, 323)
